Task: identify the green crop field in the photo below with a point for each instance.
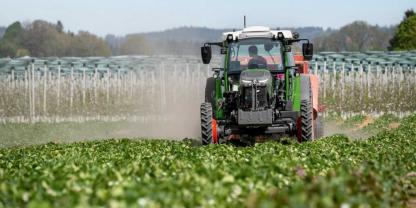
(331, 172)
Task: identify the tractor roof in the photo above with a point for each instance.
(257, 32)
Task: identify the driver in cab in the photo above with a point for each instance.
(256, 61)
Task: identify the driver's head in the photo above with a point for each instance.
(252, 50)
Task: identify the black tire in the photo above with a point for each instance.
(306, 110)
(210, 91)
(206, 123)
(306, 121)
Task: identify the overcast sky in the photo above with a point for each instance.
(129, 16)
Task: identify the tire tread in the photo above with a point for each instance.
(206, 123)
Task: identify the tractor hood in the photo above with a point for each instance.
(259, 77)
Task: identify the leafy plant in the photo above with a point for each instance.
(331, 172)
(382, 123)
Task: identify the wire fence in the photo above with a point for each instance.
(150, 91)
(77, 96)
(348, 88)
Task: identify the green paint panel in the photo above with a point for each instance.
(218, 96)
(296, 94)
(219, 90)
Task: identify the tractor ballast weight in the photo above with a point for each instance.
(262, 91)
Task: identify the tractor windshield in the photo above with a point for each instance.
(255, 53)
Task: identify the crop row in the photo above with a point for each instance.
(331, 172)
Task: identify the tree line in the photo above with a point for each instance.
(40, 39)
(361, 36)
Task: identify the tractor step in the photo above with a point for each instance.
(277, 130)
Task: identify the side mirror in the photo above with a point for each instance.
(307, 50)
(206, 54)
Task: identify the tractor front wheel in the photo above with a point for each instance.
(208, 125)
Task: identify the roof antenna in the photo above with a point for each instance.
(244, 21)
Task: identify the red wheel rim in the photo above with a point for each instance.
(214, 132)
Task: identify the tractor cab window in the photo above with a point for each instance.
(255, 53)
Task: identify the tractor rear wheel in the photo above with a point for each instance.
(305, 122)
(306, 119)
(206, 123)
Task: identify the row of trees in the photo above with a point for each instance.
(405, 36)
(361, 36)
(357, 36)
(40, 39)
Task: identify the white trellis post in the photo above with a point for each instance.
(342, 80)
(361, 82)
(368, 83)
(45, 80)
(352, 80)
(12, 79)
(131, 83)
(58, 100)
(334, 79)
(33, 91)
(141, 84)
(27, 88)
(324, 80)
(84, 83)
(26, 85)
(71, 92)
(95, 83)
(108, 85)
(162, 88)
(118, 83)
(393, 77)
(377, 84)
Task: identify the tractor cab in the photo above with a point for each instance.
(255, 53)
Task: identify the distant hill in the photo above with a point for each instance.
(202, 34)
(193, 34)
(187, 40)
(310, 32)
(42, 38)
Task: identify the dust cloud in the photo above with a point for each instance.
(332, 128)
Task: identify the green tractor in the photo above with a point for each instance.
(263, 91)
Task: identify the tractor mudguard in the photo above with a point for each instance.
(314, 88)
